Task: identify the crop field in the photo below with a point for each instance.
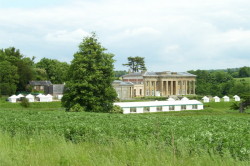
(215, 135)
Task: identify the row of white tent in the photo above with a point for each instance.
(31, 98)
(217, 99)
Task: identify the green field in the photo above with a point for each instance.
(45, 134)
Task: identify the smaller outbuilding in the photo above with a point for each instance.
(236, 98)
(30, 98)
(226, 98)
(216, 99)
(205, 99)
(13, 99)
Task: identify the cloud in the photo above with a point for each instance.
(177, 35)
(66, 36)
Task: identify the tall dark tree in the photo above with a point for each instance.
(136, 64)
(91, 74)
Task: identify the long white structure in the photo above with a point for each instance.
(159, 106)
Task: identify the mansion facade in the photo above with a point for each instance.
(145, 83)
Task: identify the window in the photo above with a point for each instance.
(183, 107)
(133, 109)
(147, 83)
(159, 108)
(140, 92)
(153, 92)
(147, 94)
(146, 109)
(194, 106)
(171, 108)
(152, 83)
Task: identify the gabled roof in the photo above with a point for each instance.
(40, 83)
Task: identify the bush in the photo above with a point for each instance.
(117, 110)
(25, 102)
(77, 108)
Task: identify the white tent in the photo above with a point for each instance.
(20, 96)
(216, 99)
(159, 106)
(205, 99)
(12, 99)
(42, 98)
(49, 98)
(226, 98)
(30, 97)
(236, 98)
(59, 97)
(184, 99)
(170, 99)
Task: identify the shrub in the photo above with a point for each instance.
(77, 108)
(25, 102)
(116, 109)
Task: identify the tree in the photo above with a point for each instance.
(136, 64)
(24, 65)
(56, 71)
(8, 78)
(244, 72)
(91, 74)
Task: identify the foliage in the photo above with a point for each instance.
(218, 83)
(136, 64)
(90, 78)
(244, 72)
(51, 149)
(55, 70)
(8, 78)
(25, 102)
(117, 109)
(76, 108)
(120, 73)
(23, 64)
(212, 133)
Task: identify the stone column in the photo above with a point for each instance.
(171, 87)
(162, 88)
(185, 87)
(194, 87)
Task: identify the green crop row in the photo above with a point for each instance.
(214, 133)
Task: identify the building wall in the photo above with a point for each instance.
(124, 92)
(169, 86)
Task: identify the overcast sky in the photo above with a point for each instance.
(172, 35)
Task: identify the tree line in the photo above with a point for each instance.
(16, 71)
(222, 82)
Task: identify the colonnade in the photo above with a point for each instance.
(169, 87)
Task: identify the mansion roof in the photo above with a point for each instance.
(165, 73)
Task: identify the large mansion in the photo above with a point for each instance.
(155, 84)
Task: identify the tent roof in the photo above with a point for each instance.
(205, 97)
(170, 99)
(13, 97)
(216, 97)
(184, 99)
(29, 96)
(158, 103)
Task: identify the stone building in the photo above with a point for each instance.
(161, 83)
(124, 90)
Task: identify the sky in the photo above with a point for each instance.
(177, 35)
